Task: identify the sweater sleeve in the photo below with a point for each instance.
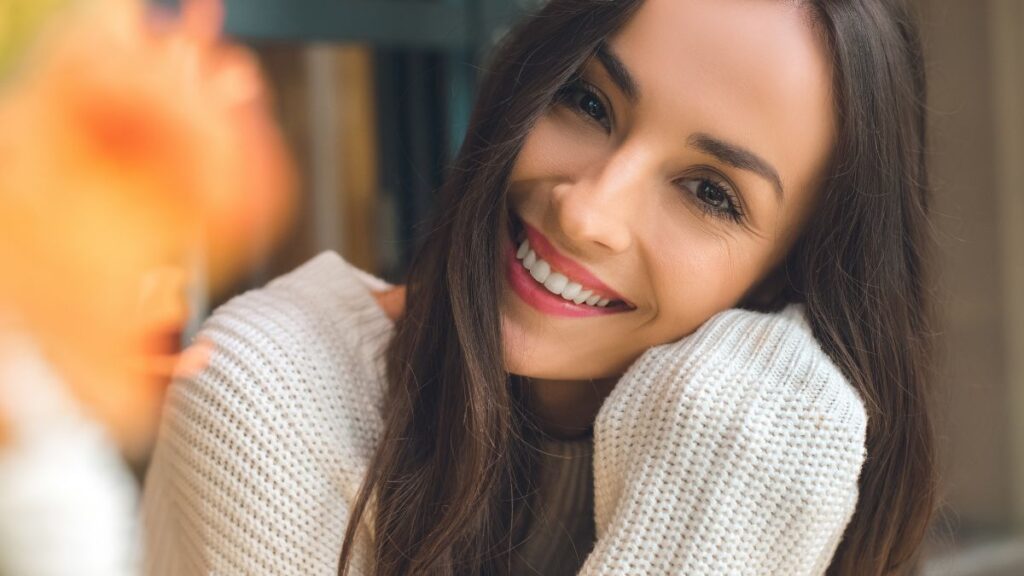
(735, 450)
(230, 471)
(260, 454)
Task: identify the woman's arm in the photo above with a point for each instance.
(733, 451)
(264, 445)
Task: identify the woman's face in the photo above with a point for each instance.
(674, 177)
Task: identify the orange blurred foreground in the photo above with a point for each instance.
(129, 144)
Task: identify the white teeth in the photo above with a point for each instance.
(540, 271)
(529, 260)
(523, 249)
(556, 283)
(571, 290)
(582, 296)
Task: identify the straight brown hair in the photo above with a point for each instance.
(447, 488)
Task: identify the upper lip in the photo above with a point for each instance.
(574, 270)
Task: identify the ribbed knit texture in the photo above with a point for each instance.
(735, 450)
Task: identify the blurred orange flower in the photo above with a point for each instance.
(129, 144)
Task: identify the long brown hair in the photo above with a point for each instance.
(447, 487)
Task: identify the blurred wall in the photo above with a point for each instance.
(975, 55)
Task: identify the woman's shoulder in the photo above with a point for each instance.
(324, 296)
(271, 438)
(297, 364)
(312, 334)
(324, 308)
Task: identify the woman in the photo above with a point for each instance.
(679, 261)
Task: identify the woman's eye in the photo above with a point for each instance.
(591, 106)
(584, 101)
(713, 197)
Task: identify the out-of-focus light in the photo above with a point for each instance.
(20, 21)
(130, 139)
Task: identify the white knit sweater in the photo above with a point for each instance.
(735, 450)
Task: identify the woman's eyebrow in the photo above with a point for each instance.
(726, 152)
(738, 157)
(618, 71)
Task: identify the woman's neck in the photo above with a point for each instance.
(566, 409)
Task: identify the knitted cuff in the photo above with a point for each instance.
(735, 450)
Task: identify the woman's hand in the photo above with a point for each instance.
(735, 450)
(392, 301)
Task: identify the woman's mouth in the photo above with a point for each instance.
(553, 283)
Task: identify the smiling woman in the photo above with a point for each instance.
(665, 161)
(662, 162)
(650, 330)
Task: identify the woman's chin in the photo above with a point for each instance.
(550, 356)
(554, 367)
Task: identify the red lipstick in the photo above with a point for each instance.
(539, 297)
(574, 270)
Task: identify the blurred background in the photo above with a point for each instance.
(371, 98)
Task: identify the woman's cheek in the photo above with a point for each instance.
(557, 147)
(694, 285)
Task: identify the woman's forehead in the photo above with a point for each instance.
(751, 72)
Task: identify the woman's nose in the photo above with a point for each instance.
(598, 210)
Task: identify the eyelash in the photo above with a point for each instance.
(576, 87)
(731, 212)
(567, 96)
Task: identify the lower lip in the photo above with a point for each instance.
(536, 295)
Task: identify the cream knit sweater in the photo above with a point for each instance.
(735, 450)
